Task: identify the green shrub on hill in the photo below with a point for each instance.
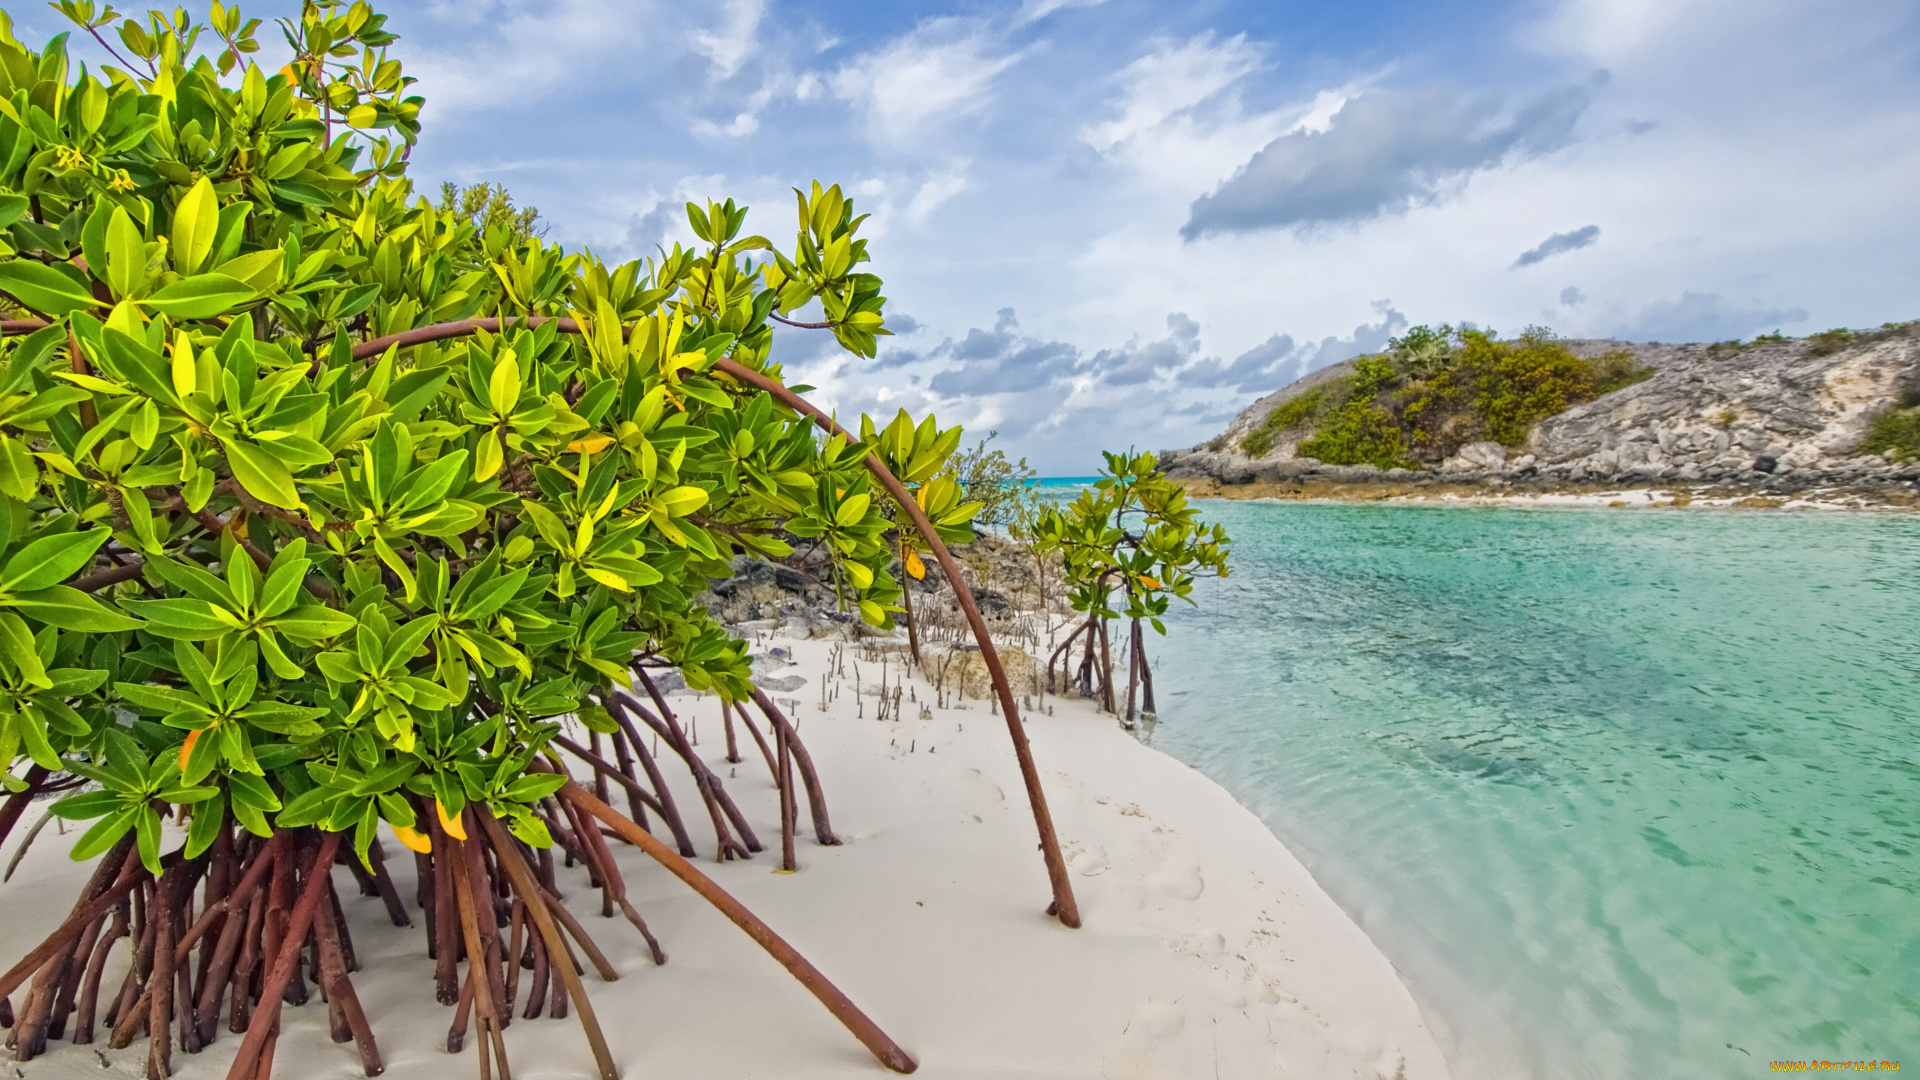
(1308, 408)
(1360, 433)
(1827, 342)
(1897, 430)
(1437, 389)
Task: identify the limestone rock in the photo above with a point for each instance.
(1792, 411)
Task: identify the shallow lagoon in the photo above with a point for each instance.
(1622, 793)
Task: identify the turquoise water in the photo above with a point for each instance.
(1622, 793)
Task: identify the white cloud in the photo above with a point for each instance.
(1607, 29)
(742, 125)
(1384, 153)
(531, 48)
(1179, 121)
(943, 68)
(1170, 80)
(936, 190)
(907, 198)
(1035, 10)
(729, 45)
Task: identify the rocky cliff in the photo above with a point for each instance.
(1777, 415)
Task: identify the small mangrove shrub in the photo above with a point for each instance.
(1130, 544)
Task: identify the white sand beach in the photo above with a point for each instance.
(1208, 951)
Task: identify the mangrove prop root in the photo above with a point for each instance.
(787, 807)
(479, 978)
(635, 790)
(30, 1032)
(596, 867)
(906, 604)
(89, 998)
(843, 1009)
(446, 975)
(709, 781)
(636, 807)
(517, 922)
(26, 842)
(599, 782)
(383, 884)
(616, 884)
(131, 875)
(17, 802)
(1063, 902)
(530, 891)
(726, 721)
(486, 923)
(729, 848)
(457, 1034)
(342, 1001)
(816, 798)
(275, 987)
(601, 965)
(682, 841)
(773, 769)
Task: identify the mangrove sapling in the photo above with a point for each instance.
(1128, 545)
(920, 456)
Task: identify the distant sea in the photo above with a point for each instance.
(1063, 484)
(1623, 794)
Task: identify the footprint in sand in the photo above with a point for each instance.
(1147, 1048)
(999, 793)
(1208, 945)
(1087, 860)
(1177, 881)
(1392, 1065)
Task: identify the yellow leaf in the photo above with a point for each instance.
(89, 382)
(503, 386)
(1149, 582)
(683, 500)
(915, 568)
(413, 840)
(195, 220)
(591, 444)
(488, 456)
(453, 825)
(608, 578)
(186, 748)
(185, 373)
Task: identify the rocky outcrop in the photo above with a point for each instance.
(1784, 415)
(1256, 414)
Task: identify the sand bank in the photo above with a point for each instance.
(1207, 951)
(1564, 495)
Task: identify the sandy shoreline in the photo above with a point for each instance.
(1596, 497)
(1207, 950)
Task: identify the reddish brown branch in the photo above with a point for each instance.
(816, 798)
(842, 1007)
(267, 1019)
(131, 875)
(530, 891)
(1063, 901)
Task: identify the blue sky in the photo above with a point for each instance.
(1117, 222)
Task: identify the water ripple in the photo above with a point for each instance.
(1624, 794)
